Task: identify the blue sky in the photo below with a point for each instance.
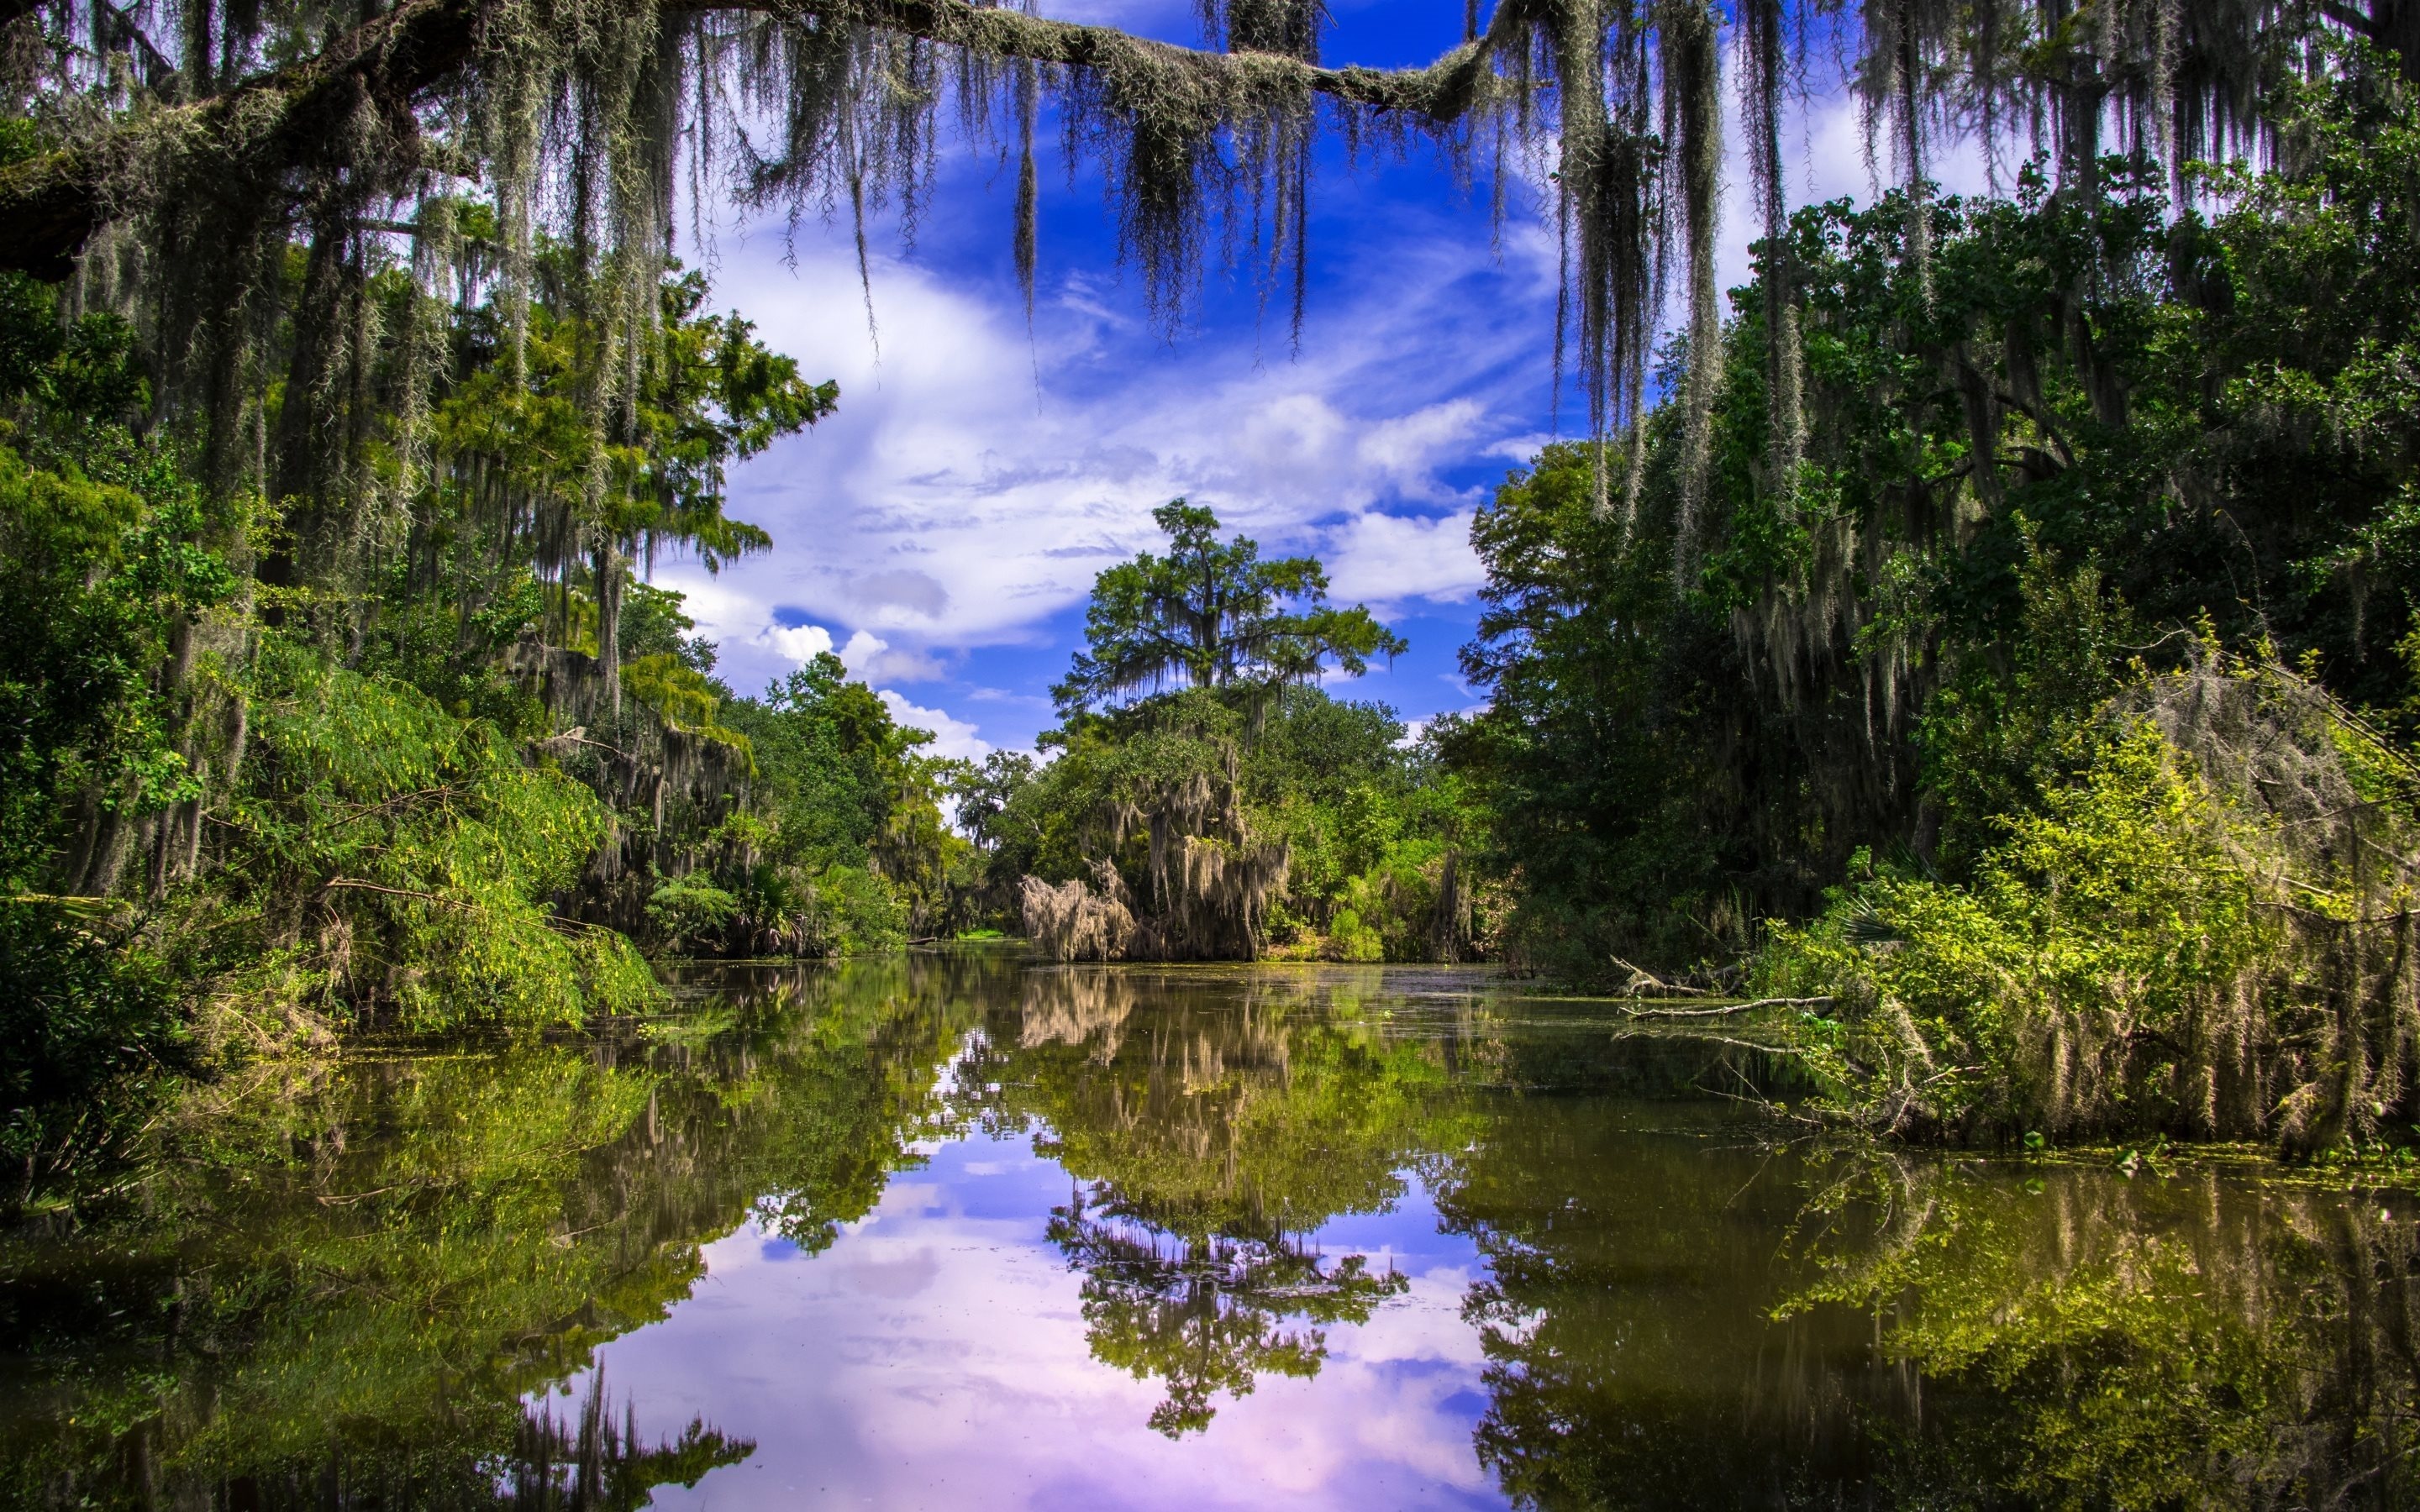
(942, 531)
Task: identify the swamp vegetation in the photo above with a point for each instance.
(1992, 633)
(1961, 690)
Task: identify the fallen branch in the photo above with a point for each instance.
(1724, 1009)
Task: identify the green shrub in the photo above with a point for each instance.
(2079, 983)
(91, 1039)
(395, 853)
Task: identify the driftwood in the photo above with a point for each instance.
(1642, 982)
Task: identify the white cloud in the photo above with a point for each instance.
(1407, 450)
(868, 656)
(801, 644)
(978, 474)
(951, 736)
(1386, 559)
(975, 479)
(742, 624)
(1519, 448)
(1824, 151)
(871, 658)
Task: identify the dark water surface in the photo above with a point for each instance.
(963, 1231)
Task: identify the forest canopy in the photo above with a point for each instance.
(2044, 727)
(1984, 556)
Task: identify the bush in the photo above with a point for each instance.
(2104, 954)
(856, 912)
(398, 854)
(91, 1038)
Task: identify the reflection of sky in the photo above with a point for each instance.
(936, 1356)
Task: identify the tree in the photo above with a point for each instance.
(512, 441)
(217, 138)
(1213, 615)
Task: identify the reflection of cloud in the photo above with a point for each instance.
(976, 1388)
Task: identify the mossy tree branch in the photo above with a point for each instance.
(51, 204)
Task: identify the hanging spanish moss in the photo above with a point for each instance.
(1207, 881)
(1693, 125)
(1764, 74)
(577, 118)
(300, 209)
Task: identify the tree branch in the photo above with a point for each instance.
(2350, 19)
(51, 204)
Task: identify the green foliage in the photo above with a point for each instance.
(1989, 616)
(685, 700)
(2101, 941)
(2019, 716)
(99, 566)
(389, 852)
(305, 791)
(708, 395)
(1240, 806)
(1211, 614)
(95, 1040)
(1198, 1185)
(103, 576)
(1609, 781)
(689, 908)
(2145, 1349)
(844, 850)
(1367, 822)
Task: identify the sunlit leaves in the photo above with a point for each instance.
(415, 856)
(1213, 614)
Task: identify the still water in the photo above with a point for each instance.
(962, 1230)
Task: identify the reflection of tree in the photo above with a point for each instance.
(1207, 1314)
(343, 1291)
(1215, 1119)
(1933, 1335)
(2185, 1340)
(1624, 1311)
(593, 1464)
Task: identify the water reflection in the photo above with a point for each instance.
(1208, 1145)
(951, 1230)
(2171, 1340)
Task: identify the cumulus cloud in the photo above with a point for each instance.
(975, 478)
(1407, 451)
(801, 644)
(1385, 560)
(871, 658)
(951, 736)
(979, 471)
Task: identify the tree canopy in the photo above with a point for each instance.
(1214, 614)
(175, 152)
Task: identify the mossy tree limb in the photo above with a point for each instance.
(51, 204)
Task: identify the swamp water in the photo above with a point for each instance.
(960, 1230)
